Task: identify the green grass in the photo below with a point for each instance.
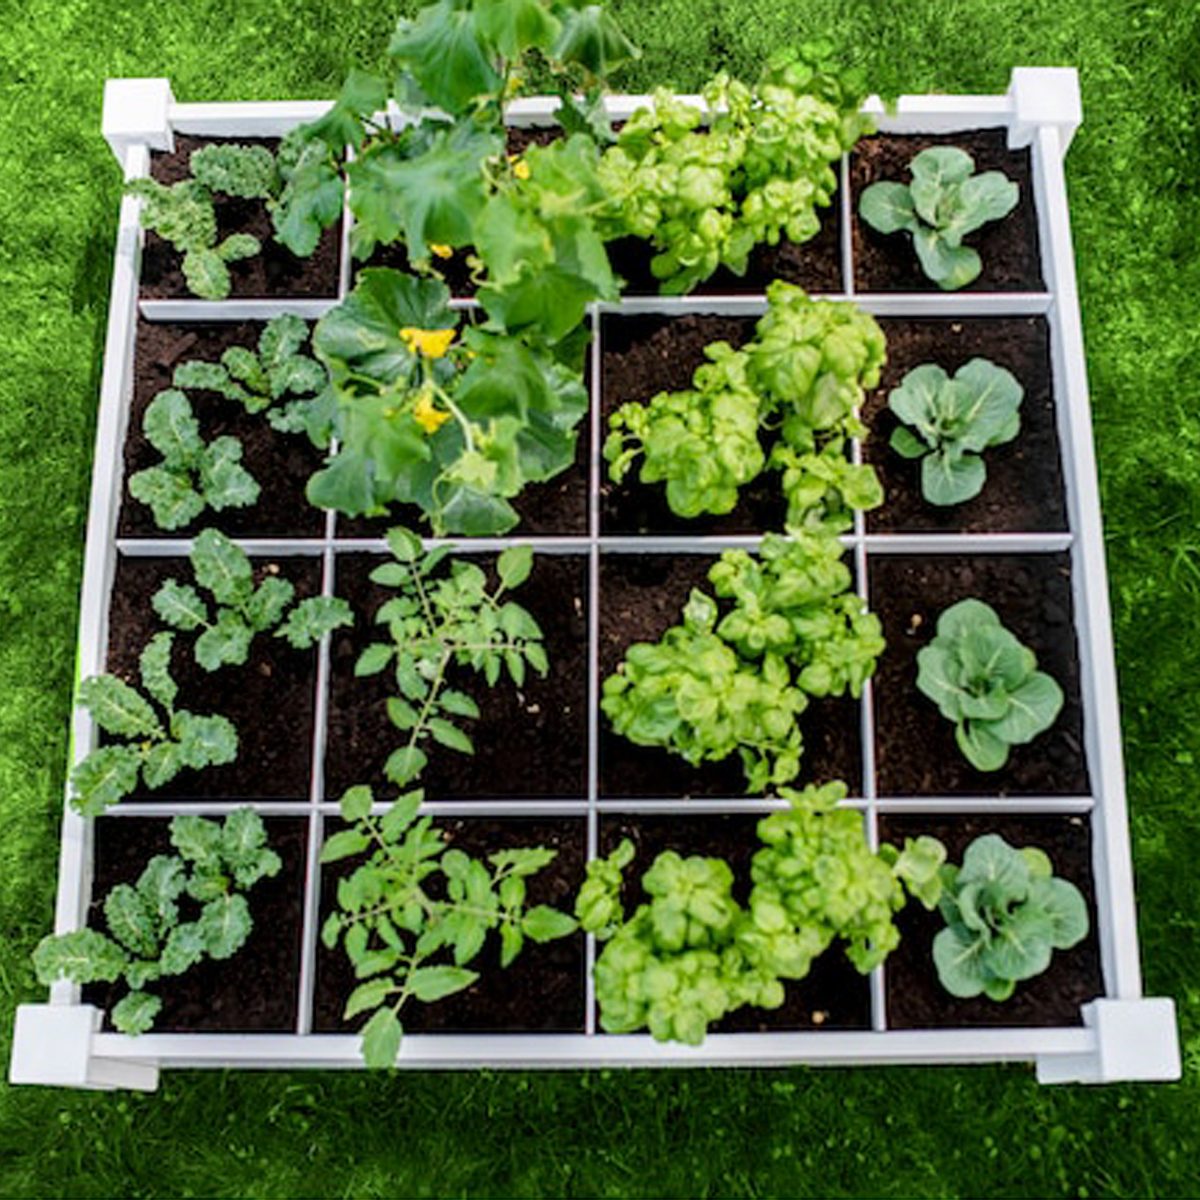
(1132, 174)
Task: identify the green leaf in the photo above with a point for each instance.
(356, 803)
(205, 741)
(180, 606)
(83, 956)
(514, 26)
(313, 618)
(160, 884)
(933, 170)
(172, 429)
(428, 984)
(373, 659)
(161, 764)
(958, 959)
(368, 995)
(247, 172)
(311, 200)
(907, 444)
(222, 568)
(592, 38)
(362, 95)
(981, 748)
(404, 544)
(197, 839)
(402, 714)
(950, 267)
(170, 496)
(948, 479)
(223, 480)
(117, 708)
(444, 49)
(134, 1013)
(401, 815)
(184, 949)
(238, 246)
(514, 565)
(512, 940)
(888, 207)
(226, 641)
(405, 764)
(450, 736)
(225, 924)
(1032, 708)
(458, 703)
(130, 922)
(206, 274)
(208, 377)
(265, 606)
(545, 924)
(381, 1039)
(344, 844)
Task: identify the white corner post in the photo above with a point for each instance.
(53, 1046)
(1136, 1042)
(137, 111)
(1042, 96)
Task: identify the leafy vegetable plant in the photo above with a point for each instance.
(985, 681)
(1006, 913)
(258, 380)
(242, 610)
(706, 194)
(797, 386)
(455, 421)
(739, 681)
(183, 214)
(156, 743)
(692, 954)
(214, 864)
(944, 203)
(949, 422)
(439, 621)
(193, 475)
(409, 940)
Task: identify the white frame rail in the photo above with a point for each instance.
(1123, 1035)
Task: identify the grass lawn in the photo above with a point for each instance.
(986, 1131)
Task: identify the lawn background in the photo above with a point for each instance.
(1132, 174)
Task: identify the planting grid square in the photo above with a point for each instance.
(873, 556)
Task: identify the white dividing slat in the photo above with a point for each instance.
(253, 118)
(233, 310)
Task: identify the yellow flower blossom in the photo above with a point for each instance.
(440, 250)
(428, 417)
(432, 343)
(521, 170)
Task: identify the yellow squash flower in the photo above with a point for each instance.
(432, 343)
(428, 417)
(520, 167)
(440, 250)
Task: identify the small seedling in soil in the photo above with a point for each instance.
(944, 203)
(213, 865)
(410, 941)
(241, 610)
(156, 743)
(193, 476)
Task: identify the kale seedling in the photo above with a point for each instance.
(1005, 914)
(242, 610)
(183, 214)
(985, 681)
(944, 203)
(409, 941)
(259, 379)
(213, 865)
(155, 748)
(693, 954)
(192, 476)
(435, 623)
(949, 422)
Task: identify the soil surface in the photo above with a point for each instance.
(1024, 488)
(915, 998)
(645, 355)
(254, 991)
(529, 741)
(915, 747)
(269, 699)
(1008, 248)
(641, 597)
(274, 271)
(281, 463)
(542, 990)
(832, 996)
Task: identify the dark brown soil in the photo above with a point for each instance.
(1008, 248)
(541, 991)
(641, 596)
(643, 356)
(559, 506)
(915, 747)
(254, 991)
(529, 741)
(281, 463)
(915, 998)
(269, 699)
(1024, 488)
(274, 272)
(832, 996)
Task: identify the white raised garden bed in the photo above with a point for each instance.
(1121, 1034)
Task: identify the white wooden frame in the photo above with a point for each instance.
(1122, 1036)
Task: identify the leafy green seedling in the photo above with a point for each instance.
(439, 621)
(151, 748)
(944, 203)
(259, 379)
(1006, 913)
(147, 941)
(192, 476)
(949, 422)
(242, 610)
(985, 681)
(410, 941)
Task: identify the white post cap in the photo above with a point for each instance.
(52, 1045)
(1044, 96)
(1136, 1041)
(137, 110)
